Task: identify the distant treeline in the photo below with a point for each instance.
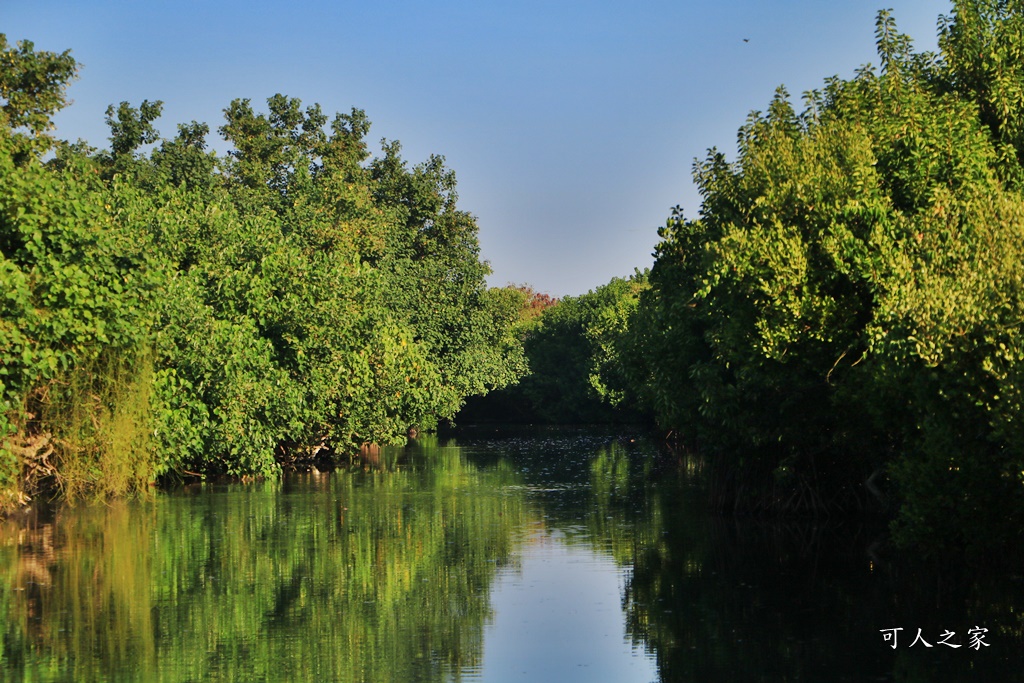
(168, 311)
(843, 325)
(575, 360)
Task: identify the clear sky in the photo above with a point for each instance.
(572, 126)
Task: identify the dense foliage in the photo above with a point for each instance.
(576, 373)
(848, 303)
(169, 310)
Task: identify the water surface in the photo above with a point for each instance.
(549, 556)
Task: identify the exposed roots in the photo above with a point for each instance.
(33, 457)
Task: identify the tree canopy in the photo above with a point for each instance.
(230, 312)
(848, 300)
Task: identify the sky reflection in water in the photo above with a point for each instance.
(558, 617)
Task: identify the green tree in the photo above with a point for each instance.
(848, 299)
(32, 89)
(75, 362)
(292, 297)
(573, 349)
(309, 297)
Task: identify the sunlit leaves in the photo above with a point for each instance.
(293, 295)
(850, 294)
(32, 86)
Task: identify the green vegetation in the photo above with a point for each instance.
(171, 311)
(849, 302)
(576, 372)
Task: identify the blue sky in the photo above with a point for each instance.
(572, 126)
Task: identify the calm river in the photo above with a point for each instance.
(556, 556)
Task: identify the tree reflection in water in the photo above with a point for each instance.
(383, 572)
(367, 576)
(804, 600)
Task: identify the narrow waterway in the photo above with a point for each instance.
(541, 556)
